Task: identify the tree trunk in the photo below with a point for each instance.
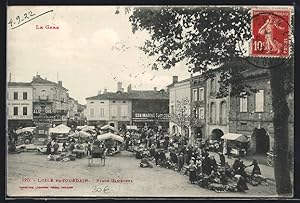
(280, 122)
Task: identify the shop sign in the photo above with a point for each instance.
(19, 117)
(151, 115)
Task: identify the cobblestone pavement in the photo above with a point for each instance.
(30, 170)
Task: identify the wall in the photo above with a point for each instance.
(97, 105)
(20, 103)
(211, 97)
(197, 83)
(246, 122)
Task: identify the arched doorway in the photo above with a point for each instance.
(186, 131)
(217, 134)
(174, 129)
(261, 141)
(198, 132)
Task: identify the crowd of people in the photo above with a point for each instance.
(174, 152)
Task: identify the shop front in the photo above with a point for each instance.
(156, 121)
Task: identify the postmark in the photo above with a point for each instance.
(271, 31)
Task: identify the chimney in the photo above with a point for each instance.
(175, 79)
(60, 83)
(119, 86)
(105, 91)
(9, 77)
(122, 89)
(99, 92)
(129, 88)
(155, 89)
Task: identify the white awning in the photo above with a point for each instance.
(235, 136)
(131, 127)
(60, 129)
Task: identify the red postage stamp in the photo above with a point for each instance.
(270, 33)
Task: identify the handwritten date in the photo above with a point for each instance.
(19, 19)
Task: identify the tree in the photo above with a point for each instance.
(181, 116)
(207, 37)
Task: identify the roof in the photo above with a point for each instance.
(39, 80)
(133, 94)
(182, 81)
(19, 84)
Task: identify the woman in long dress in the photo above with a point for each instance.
(192, 169)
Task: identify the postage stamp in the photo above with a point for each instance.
(271, 30)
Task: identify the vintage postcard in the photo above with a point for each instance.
(150, 101)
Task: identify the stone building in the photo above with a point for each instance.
(252, 116)
(120, 109)
(52, 97)
(217, 122)
(180, 107)
(19, 104)
(198, 105)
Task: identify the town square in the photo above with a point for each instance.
(150, 102)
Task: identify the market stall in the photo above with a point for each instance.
(237, 142)
(110, 139)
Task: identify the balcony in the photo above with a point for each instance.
(43, 98)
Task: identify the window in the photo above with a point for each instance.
(259, 101)
(114, 101)
(92, 112)
(91, 102)
(201, 94)
(195, 95)
(24, 95)
(15, 111)
(201, 113)
(223, 112)
(113, 111)
(196, 113)
(124, 101)
(172, 109)
(125, 111)
(213, 112)
(15, 95)
(212, 85)
(24, 111)
(244, 104)
(101, 112)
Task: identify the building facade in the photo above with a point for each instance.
(198, 105)
(252, 115)
(109, 108)
(150, 109)
(19, 104)
(217, 121)
(180, 106)
(120, 109)
(52, 97)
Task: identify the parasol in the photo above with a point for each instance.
(110, 136)
(108, 127)
(27, 129)
(235, 136)
(60, 129)
(81, 134)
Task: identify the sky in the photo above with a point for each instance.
(93, 49)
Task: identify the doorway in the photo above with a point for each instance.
(198, 133)
(217, 134)
(262, 141)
